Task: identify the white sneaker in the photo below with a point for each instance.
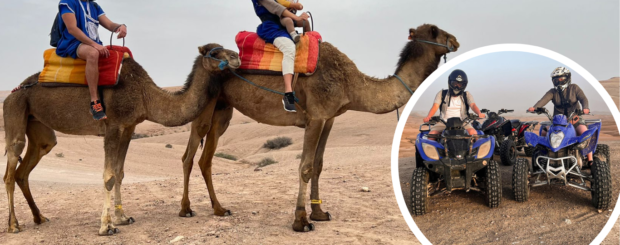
(295, 36)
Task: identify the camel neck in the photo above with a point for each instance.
(179, 108)
(386, 95)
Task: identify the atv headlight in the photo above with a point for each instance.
(430, 151)
(556, 139)
(484, 149)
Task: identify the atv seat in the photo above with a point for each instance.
(588, 122)
(515, 123)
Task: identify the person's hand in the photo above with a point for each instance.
(103, 51)
(121, 31)
(427, 119)
(482, 116)
(297, 6)
(586, 111)
(532, 109)
(304, 16)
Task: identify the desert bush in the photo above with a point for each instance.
(266, 162)
(278, 143)
(226, 156)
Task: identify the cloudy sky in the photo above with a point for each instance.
(164, 35)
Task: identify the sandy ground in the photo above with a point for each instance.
(612, 86)
(69, 190)
(544, 218)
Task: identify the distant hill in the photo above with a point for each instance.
(612, 86)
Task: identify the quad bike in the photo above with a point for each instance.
(509, 134)
(560, 158)
(455, 159)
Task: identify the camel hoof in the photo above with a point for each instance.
(309, 227)
(187, 214)
(321, 216)
(127, 221)
(131, 220)
(41, 220)
(190, 214)
(14, 230)
(108, 231)
(227, 213)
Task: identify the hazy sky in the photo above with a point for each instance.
(509, 80)
(164, 35)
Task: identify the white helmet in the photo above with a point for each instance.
(561, 78)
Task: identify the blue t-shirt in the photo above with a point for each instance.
(87, 16)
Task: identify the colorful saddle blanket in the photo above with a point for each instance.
(257, 56)
(66, 71)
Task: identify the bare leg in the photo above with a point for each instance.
(111, 145)
(314, 129)
(307, 28)
(41, 140)
(580, 130)
(288, 23)
(288, 81)
(318, 214)
(91, 56)
(200, 127)
(119, 213)
(221, 120)
(16, 122)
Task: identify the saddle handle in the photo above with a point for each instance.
(112, 35)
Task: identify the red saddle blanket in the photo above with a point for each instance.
(256, 55)
(66, 71)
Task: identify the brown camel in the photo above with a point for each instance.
(38, 111)
(336, 87)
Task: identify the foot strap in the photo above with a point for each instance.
(313, 201)
(118, 206)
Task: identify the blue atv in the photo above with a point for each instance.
(455, 159)
(560, 158)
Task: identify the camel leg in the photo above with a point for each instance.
(318, 214)
(119, 213)
(16, 121)
(314, 128)
(200, 127)
(111, 146)
(221, 120)
(41, 140)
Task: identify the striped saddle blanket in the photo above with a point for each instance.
(258, 57)
(68, 72)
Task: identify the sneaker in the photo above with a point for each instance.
(289, 102)
(295, 36)
(97, 110)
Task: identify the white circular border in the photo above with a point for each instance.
(462, 58)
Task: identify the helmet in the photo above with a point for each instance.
(457, 81)
(561, 78)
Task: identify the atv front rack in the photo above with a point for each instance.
(560, 173)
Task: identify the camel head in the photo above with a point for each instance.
(216, 58)
(432, 33)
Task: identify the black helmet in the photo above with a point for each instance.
(457, 81)
(561, 77)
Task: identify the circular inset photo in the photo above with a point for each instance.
(509, 143)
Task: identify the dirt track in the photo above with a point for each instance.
(553, 215)
(70, 193)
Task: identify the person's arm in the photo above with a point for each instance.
(121, 29)
(431, 112)
(543, 101)
(473, 106)
(581, 97)
(71, 24)
(280, 10)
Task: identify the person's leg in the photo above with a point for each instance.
(544, 131)
(306, 27)
(91, 56)
(290, 28)
(580, 129)
(287, 47)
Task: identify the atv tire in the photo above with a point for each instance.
(602, 152)
(493, 184)
(520, 180)
(601, 185)
(419, 191)
(508, 152)
(528, 151)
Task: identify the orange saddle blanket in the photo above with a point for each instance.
(257, 56)
(66, 71)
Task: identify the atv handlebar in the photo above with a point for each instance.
(502, 111)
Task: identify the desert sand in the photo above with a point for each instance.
(69, 189)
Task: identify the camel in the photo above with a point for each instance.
(335, 88)
(38, 111)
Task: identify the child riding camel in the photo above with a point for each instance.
(278, 27)
(454, 103)
(565, 96)
(80, 39)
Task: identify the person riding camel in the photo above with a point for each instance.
(278, 28)
(454, 102)
(565, 96)
(79, 22)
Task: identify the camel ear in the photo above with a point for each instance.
(411, 34)
(434, 31)
(202, 50)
